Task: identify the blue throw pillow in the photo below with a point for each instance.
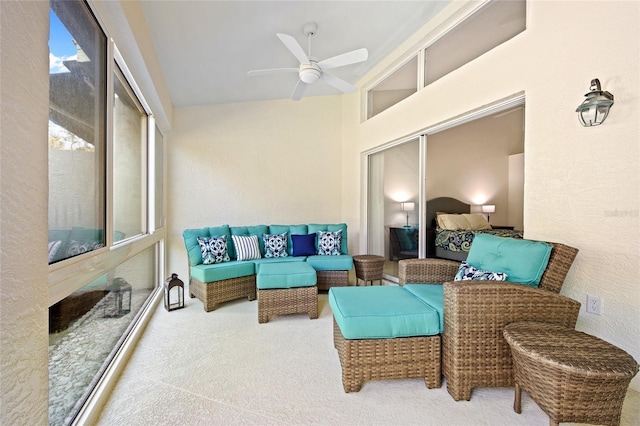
(304, 245)
(275, 245)
(468, 272)
(214, 249)
(329, 243)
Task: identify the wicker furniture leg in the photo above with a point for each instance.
(214, 293)
(328, 279)
(287, 301)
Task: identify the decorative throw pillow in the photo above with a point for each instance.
(468, 272)
(275, 245)
(329, 243)
(247, 247)
(75, 247)
(53, 249)
(304, 245)
(214, 249)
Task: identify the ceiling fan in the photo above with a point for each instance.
(310, 70)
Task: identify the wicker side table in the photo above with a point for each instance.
(368, 268)
(574, 377)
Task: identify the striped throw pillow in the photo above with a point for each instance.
(247, 247)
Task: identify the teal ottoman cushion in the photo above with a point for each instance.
(432, 295)
(524, 261)
(222, 271)
(381, 312)
(343, 262)
(285, 275)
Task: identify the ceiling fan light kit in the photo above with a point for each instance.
(310, 70)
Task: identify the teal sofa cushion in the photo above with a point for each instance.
(257, 230)
(381, 312)
(524, 261)
(190, 237)
(289, 229)
(314, 227)
(343, 262)
(285, 275)
(432, 295)
(222, 271)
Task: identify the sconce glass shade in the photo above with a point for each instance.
(595, 109)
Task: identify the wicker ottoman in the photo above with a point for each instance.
(286, 288)
(368, 268)
(574, 377)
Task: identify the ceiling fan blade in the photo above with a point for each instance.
(298, 91)
(271, 71)
(294, 47)
(338, 83)
(348, 58)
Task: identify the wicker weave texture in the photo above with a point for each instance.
(369, 267)
(574, 377)
(426, 271)
(402, 357)
(474, 352)
(328, 279)
(287, 301)
(211, 294)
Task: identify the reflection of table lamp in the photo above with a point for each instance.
(408, 207)
(488, 208)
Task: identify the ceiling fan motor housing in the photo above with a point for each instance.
(310, 73)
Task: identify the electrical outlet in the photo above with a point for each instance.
(594, 305)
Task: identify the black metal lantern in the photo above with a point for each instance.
(173, 293)
(594, 110)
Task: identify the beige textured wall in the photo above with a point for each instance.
(24, 112)
(253, 163)
(581, 184)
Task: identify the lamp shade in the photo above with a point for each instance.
(408, 207)
(488, 208)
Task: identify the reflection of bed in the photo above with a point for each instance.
(454, 244)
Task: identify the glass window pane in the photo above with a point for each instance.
(398, 86)
(86, 326)
(490, 27)
(77, 94)
(129, 161)
(159, 189)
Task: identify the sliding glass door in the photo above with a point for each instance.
(394, 204)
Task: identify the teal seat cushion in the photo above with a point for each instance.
(222, 271)
(381, 312)
(315, 227)
(524, 261)
(289, 229)
(264, 260)
(343, 262)
(285, 275)
(432, 295)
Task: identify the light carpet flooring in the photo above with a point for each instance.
(203, 368)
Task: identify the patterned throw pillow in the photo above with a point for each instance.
(468, 272)
(329, 242)
(53, 249)
(214, 249)
(247, 247)
(75, 247)
(275, 245)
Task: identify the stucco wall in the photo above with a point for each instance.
(253, 163)
(581, 184)
(23, 213)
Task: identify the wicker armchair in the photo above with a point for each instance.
(474, 351)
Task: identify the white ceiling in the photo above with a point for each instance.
(205, 48)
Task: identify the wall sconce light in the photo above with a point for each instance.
(488, 209)
(594, 110)
(408, 207)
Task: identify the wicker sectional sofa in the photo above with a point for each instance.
(234, 279)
